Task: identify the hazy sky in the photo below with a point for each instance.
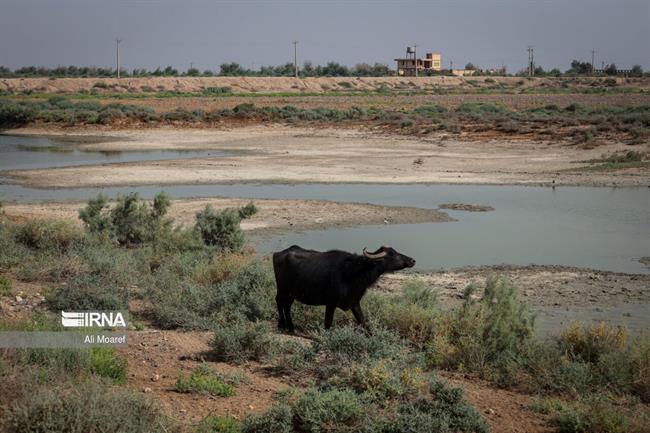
(254, 33)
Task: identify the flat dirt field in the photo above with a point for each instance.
(284, 154)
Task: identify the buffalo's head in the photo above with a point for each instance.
(391, 259)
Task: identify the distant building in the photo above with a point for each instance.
(408, 65)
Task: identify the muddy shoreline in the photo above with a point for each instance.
(274, 216)
(292, 155)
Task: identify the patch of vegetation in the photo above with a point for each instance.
(221, 229)
(204, 380)
(219, 424)
(438, 408)
(631, 123)
(241, 340)
(597, 414)
(5, 286)
(131, 221)
(619, 161)
(63, 408)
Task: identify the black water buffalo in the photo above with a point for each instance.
(332, 278)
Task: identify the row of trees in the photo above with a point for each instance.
(331, 69)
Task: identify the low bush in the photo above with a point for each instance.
(48, 235)
(595, 414)
(63, 363)
(589, 344)
(438, 409)
(204, 380)
(105, 362)
(180, 301)
(241, 340)
(131, 221)
(86, 407)
(12, 114)
(219, 424)
(485, 335)
(5, 286)
(221, 229)
(414, 313)
(351, 343)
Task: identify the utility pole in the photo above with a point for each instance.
(415, 58)
(531, 61)
(593, 56)
(451, 66)
(295, 57)
(117, 52)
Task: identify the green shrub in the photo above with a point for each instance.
(278, 419)
(105, 362)
(50, 235)
(381, 380)
(337, 410)
(95, 219)
(5, 286)
(110, 115)
(595, 414)
(430, 110)
(86, 293)
(217, 91)
(444, 410)
(351, 343)
(204, 380)
(219, 424)
(413, 313)
(131, 221)
(87, 407)
(12, 114)
(220, 229)
(487, 335)
(241, 340)
(184, 301)
(589, 344)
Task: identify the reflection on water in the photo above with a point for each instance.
(25, 152)
(600, 228)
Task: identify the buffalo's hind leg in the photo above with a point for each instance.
(329, 315)
(282, 321)
(286, 306)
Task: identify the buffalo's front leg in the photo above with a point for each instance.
(329, 315)
(358, 314)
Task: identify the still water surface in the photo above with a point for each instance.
(28, 152)
(601, 228)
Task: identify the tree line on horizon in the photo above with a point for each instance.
(330, 69)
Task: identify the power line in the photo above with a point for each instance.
(295, 57)
(415, 59)
(593, 56)
(117, 55)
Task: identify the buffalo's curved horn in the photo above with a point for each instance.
(373, 256)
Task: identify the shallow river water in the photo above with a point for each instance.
(601, 228)
(27, 152)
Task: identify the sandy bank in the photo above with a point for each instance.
(274, 216)
(282, 154)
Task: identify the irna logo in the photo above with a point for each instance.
(89, 319)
